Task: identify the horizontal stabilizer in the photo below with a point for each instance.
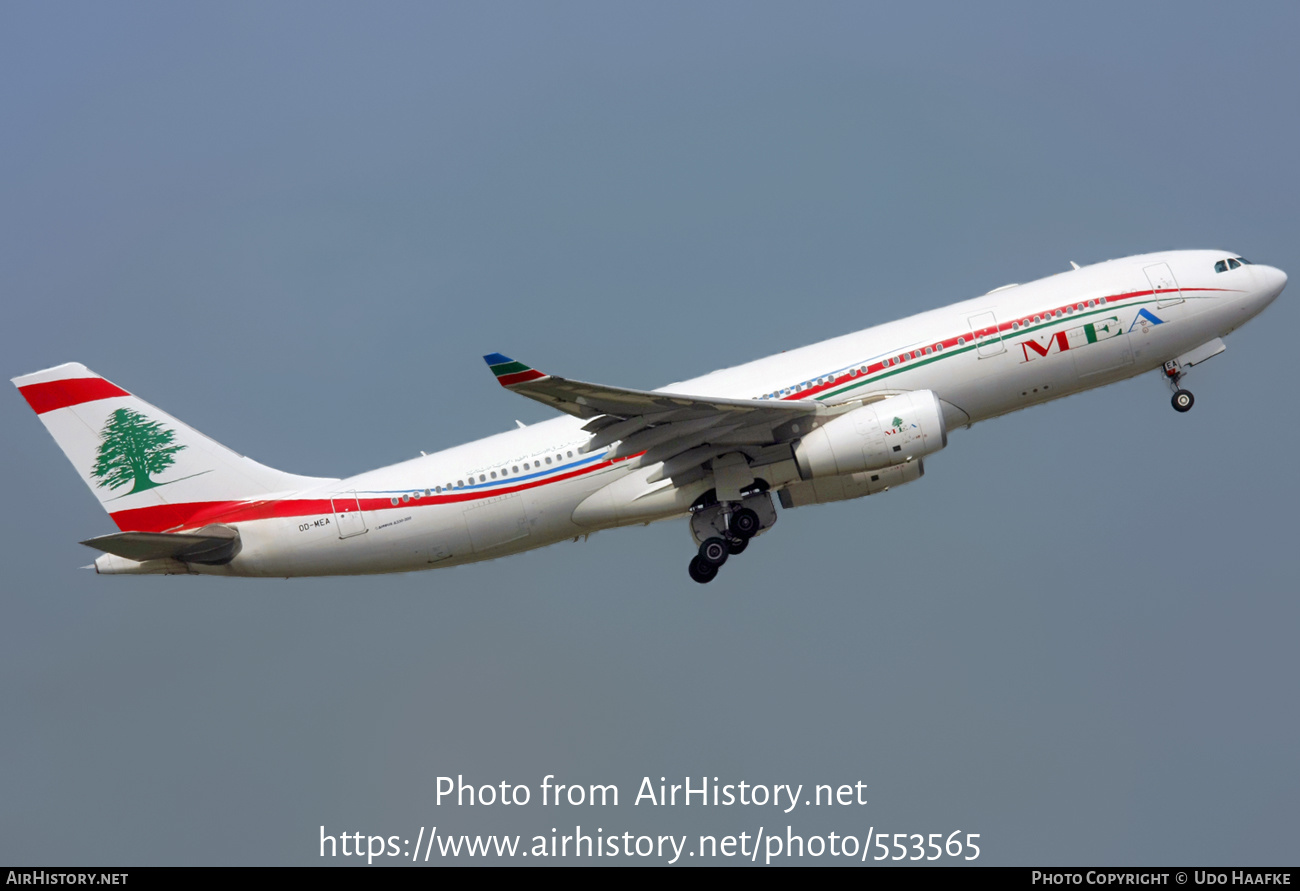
(210, 545)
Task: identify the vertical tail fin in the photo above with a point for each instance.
(147, 469)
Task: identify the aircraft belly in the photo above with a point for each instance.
(969, 391)
(397, 541)
(631, 499)
(495, 521)
(1164, 333)
(414, 536)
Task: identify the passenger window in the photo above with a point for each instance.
(927, 351)
(1233, 264)
(1221, 266)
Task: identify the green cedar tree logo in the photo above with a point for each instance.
(133, 448)
(898, 422)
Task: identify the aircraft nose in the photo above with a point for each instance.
(1274, 282)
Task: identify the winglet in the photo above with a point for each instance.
(509, 372)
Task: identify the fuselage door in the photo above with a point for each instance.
(1163, 283)
(988, 338)
(347, 514)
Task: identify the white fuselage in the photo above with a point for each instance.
(525, 488)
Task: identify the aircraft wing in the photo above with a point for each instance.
(681, 430)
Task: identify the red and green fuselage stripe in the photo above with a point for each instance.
(841, 382)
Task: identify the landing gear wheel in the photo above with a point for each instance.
(702, 572)
(737, 545)
(714, 551)
(744, 523)
(1183, 400)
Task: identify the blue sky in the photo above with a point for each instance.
(298, 227)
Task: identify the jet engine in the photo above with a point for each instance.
(854, 485)
(884, 434)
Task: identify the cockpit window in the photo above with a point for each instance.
(1233, 264)
(1221, 266)
(1245, 261)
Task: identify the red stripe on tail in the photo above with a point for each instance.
(53, 395)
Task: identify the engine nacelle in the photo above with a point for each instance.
(853, 485)
(894, 431)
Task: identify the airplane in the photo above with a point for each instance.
(845, 418)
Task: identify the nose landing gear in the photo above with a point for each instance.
(1183, 400)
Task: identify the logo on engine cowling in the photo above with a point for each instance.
(897, 426)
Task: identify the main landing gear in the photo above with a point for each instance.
(1182, 400)
(724, 530)
(713, 553)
